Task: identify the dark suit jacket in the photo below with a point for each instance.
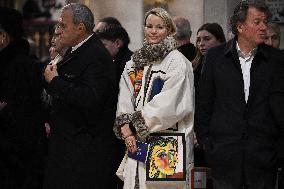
(277, 101)
(188, 50)
(82, 144)
(123, 56)
(235, 132)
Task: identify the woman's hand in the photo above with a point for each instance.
(130, 143)
(129, 139)
(125, 131)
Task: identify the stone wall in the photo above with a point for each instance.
(190, 9)
(131, 12)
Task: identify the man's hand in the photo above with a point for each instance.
(50, 72)
(47, 129)
(2, 105)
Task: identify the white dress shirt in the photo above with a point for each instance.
(79, 44)
(246, 60)
(57, 59)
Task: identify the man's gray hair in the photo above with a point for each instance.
(81, 14)
(183, 28)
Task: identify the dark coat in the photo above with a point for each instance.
(237, 134)
(82, 145)
(123, 56)
(188, 50)
(278, 103)
(21, 124)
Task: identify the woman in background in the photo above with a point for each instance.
(208, 35)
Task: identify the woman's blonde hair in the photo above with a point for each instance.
(162, 13)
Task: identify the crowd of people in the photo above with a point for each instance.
(72, 122)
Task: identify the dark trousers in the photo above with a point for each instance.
(16, 173)
(119, 184)
(280, 178)
(281, 173)
(245, 179)
(234, 168)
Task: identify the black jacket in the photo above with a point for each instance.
(188, 50)
(82, 146)
(123, 55)
(21, 121)
(231, 129)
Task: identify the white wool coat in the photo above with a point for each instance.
(173, 104)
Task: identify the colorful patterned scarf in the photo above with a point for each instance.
(136, 80)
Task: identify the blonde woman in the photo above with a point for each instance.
(156, 96)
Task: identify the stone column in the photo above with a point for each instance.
(219, 11)
(190, 9)
(129, 13)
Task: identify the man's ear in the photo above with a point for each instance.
(5, 38)
(118, 43)
(239, 27)
(81, 27)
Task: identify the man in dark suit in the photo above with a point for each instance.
(116, 40)
(280, 157)
(239, 115)
(22, 140)
(82, 86)
(273, 39)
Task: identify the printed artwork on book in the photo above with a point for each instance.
(166, 157)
